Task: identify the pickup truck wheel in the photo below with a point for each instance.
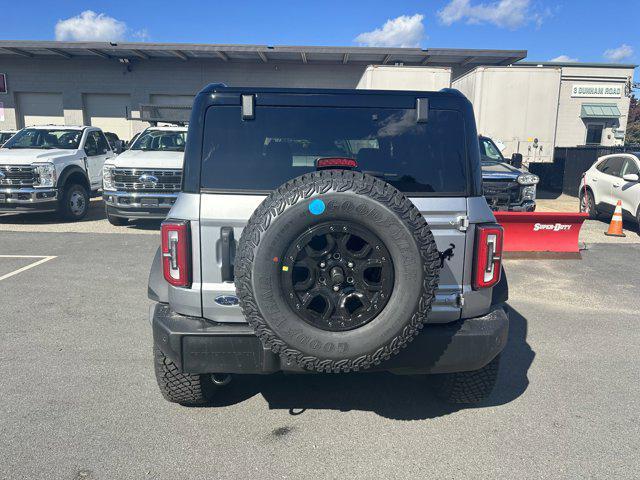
(117, 221)
(74, 204)
(336, 271)
(588, 204)
(183, 388)
(467, 387)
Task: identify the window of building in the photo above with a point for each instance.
(594, 133)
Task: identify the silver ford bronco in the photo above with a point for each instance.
(329, 231)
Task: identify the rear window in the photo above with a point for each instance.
(282, 143)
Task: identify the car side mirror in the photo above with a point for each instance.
(516, 160)
(631, 177)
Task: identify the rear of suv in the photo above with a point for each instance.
(329, 231)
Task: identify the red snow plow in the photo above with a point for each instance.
(548, 232)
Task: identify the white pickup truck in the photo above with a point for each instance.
(6, 135)
(52, 168)
(144, 181)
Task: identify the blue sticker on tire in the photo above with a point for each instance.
(317, 206)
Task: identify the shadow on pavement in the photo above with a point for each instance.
(547, 195)
(390, 396)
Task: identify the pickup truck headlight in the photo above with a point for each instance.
(45, 175)
(529, 192)
(528, 179)
(107, 178)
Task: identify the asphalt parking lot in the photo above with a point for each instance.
(78, 397)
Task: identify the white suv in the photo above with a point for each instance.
(612, 178)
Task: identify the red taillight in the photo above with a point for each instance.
(488, 256)
(336, 162)
(176, 258)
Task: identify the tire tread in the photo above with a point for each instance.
(301, 188)
(467, 387)
(179, 387)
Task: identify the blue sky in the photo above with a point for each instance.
(586, 30)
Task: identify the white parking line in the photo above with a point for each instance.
(43, 259)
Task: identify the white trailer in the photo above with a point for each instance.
(399, 77)
(516, 106)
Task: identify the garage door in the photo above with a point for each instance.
(109, 112)
(40, 109)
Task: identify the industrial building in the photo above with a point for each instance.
(530, 108)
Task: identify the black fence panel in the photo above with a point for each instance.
(577, 160)
(551, 175)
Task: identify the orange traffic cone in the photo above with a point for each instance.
(615, 227)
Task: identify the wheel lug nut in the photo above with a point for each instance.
(322, 264)
(336, 288)
(350, 264)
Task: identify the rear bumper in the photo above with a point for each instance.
(139, 205)
(196, 345)
(28, 199)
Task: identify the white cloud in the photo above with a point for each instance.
(141, 35)
(403, 31)
(90, 26)
(564, 58)
(502, 13)
(618, 54)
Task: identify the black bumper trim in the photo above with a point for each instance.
(197, 345)
(36, 207)
(138, 213)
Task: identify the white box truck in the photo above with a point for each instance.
(399, 77)
(516, 106)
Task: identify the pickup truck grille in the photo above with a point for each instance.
(501, 193)
(129, 180)
(17, 176)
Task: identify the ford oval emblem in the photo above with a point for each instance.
(227, 300)
(146, 178)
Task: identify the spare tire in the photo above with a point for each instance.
(336, 271)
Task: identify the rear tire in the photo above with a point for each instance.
(74, 203)
(467, 387)
(178, 387)
(588, 204)
(117, 221)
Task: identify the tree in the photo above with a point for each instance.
(632, 136)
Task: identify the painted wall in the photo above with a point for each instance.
(77, 82)
(572, 129)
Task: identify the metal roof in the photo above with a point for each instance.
(599, 110)
(577, 64)
(259, 53)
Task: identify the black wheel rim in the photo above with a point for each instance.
(337, 276)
